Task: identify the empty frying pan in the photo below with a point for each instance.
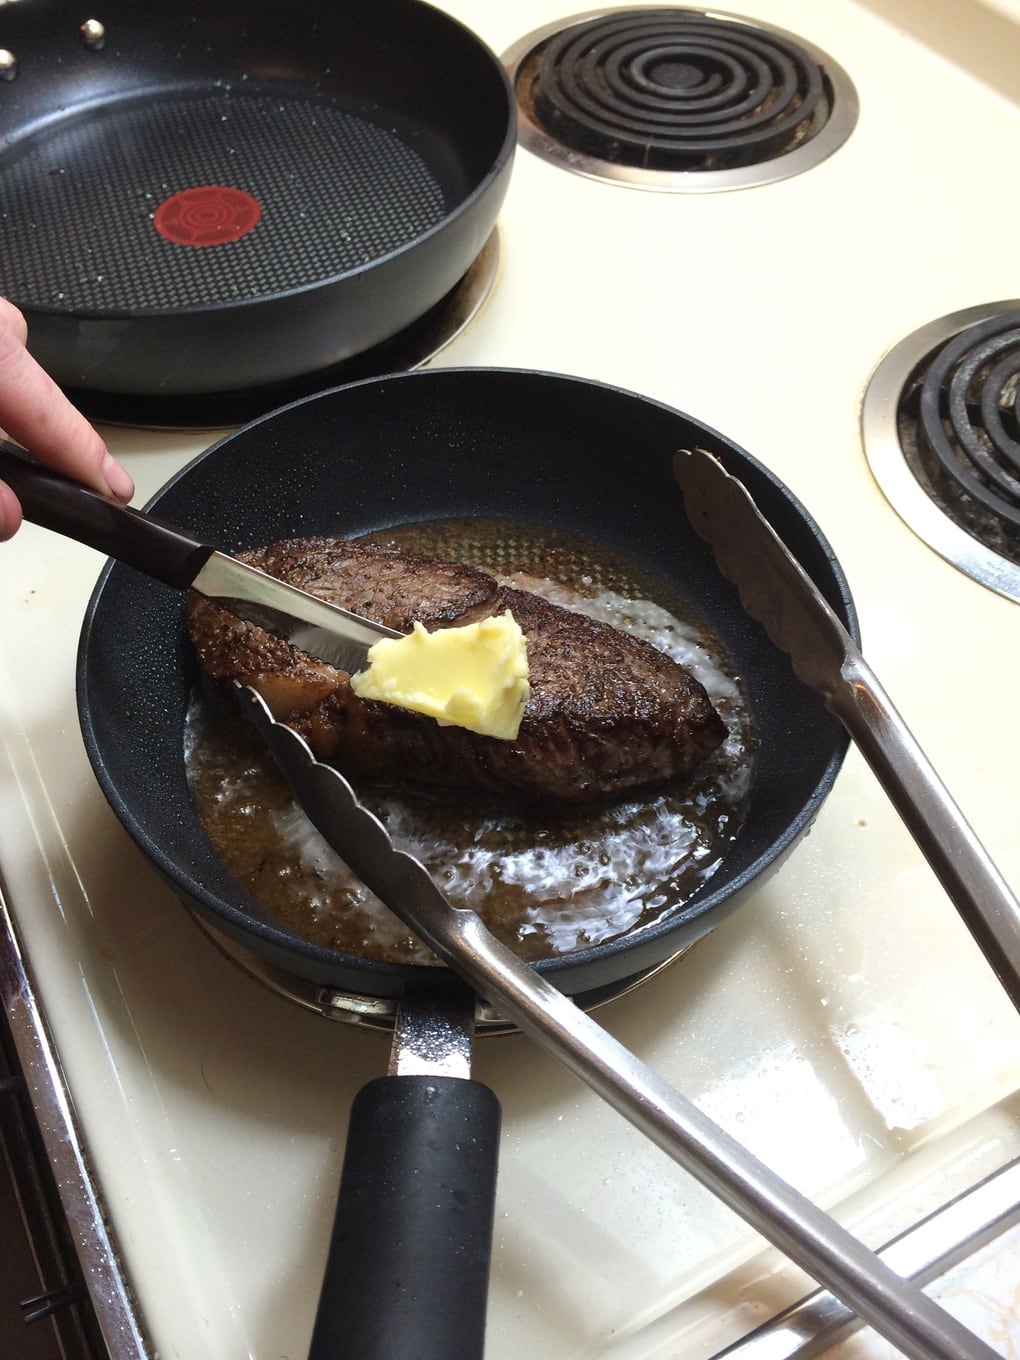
(210, 201)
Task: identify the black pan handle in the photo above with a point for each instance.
(408, 1270)
(56, 502)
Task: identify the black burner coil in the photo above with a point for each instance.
(677, 89)
(960, 420)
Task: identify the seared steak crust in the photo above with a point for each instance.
(607, 711)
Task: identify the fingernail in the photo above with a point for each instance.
(117, 479)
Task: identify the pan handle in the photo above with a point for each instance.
(408, 1267)
(56, 502)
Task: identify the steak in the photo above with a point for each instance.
(607, 711)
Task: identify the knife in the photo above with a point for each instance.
(178, 558)
(776, 591)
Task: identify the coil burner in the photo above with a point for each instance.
(941, 429)
(678, 99)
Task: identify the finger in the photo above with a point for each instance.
(38, 415)
(10, 513)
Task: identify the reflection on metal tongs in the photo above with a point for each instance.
(816, 1242)
(777, 592)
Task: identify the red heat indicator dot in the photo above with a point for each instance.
(208, 215)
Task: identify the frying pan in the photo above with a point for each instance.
(210, 201)
(538, 448)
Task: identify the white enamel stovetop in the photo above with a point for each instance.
(842, 1024)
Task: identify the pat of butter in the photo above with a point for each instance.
(474, 677)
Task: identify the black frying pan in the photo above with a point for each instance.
(530, 447)
(210, 200)
(533, 447)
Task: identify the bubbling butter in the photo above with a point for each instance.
(475, 676)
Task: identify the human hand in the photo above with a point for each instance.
(35, 412)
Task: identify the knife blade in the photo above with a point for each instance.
(776, 591)
(180, 559)
(324, 630)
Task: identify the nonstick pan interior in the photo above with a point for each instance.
(206, 203)
(533, 447)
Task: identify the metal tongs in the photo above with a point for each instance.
(897, 1309)
(776, 591)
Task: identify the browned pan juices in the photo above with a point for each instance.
(546, 879)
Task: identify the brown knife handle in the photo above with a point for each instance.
(56, 502)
